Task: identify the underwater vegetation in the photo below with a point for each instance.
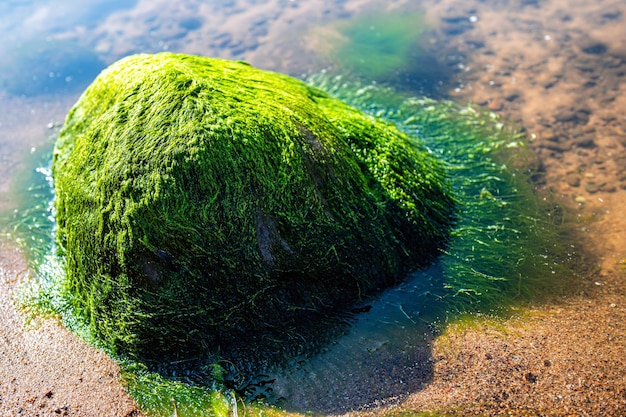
(387, 46)
(437, 179)
(378, 44)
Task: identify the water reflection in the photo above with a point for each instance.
(43, 52)
(27, 19)
(36, 68)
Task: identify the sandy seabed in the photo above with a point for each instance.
(554, 67)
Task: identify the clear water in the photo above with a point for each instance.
(52, 51)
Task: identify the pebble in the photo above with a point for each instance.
(594, 48)
(573, 180)
(576, 116)
(580, 199)
(555, 146)
(593, 187)
(455, 23)
(495, 105)
(585, 142)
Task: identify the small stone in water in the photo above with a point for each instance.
(572, 180)
(594, 187)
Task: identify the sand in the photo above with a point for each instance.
(46, 370)
(556, 68)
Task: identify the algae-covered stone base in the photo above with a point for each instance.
(207, 207)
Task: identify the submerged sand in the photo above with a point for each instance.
(554, 67)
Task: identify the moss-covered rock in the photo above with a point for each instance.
(204, 206)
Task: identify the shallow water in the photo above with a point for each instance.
(52, 52)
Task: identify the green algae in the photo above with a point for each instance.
(157, 396)
(162, 397)
(387, 45)
(201, 203)
(378, 44)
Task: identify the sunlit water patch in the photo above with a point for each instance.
(46, 67)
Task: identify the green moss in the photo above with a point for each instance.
(157, 396)
(505, 247)
(205, 207)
